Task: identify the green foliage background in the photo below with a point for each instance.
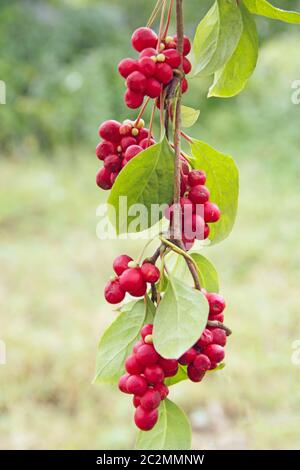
(59, 59)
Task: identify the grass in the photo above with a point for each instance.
(53, 269)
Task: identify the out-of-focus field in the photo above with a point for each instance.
(53, 269)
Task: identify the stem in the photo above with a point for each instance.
(186, 137)
(151, 123)
(143, 108)
(161, 25)
(168, 19)
(154, 13)
(218, 324)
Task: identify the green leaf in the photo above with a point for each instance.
(223, 183)
(179, 377)
(119, 338)
(172, 431)
(264, 8)
(180, 319)
(232, 78)
(216, 37)
(147, 179)
(189, 116)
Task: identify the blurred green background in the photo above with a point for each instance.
(58, 60)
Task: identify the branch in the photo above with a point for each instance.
(218, 324)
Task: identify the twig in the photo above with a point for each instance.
(218, 324)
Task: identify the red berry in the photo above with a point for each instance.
(132, 151)
(199, 194)
(154, 374)
(123, 383)
(114, 294)
(136, 401)
(188, 357)
(194, 374)
(136, 385)
(219, 317)
(215, 352)
(145, 420)
(145, 143)
(146, 330)
(153, 88)
(112, 163)
(205, 339)
(170, 366)
(133, 100)
(143, 38)
(184, 85)
(150, 273)
(187, 66)
(163, 73)
(202, 362)
(113, 178)
(139, 291)
(132, 365)
(147, 355)
(104, 149)
(211, 212)
(103, 178)
(143, 133)
(198, 226)
(219, 336)
(162, 389)
(184, 166)
(127, 66)
(131, 279)
(216, 303)
(127, 142)
(148, 52)
(188, 242)
(147, 66)
(186, 45)
(138, 345)
(151, 400)
(137, 82)
(110, 130)
(183, 185)
(125, 130)
(121, 264)
(206, 231)
(172, 58)
(196, 178)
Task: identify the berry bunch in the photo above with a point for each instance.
(131, 278)
(155, 68)
(196, 209)
(120, 143)
(146, 372)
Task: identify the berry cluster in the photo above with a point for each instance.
(146, 372)
(196, 209)
(130, 278)
(120, 143)
(155, 67)
(208, 351)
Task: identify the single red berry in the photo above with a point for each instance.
(216, 303)
(132, 365)
(136, 385)
(147, 355)
(139, 291)
(219, 317)
(110, 130)
(198, 226)
(199, 194)
(145, 420)
(170, 366)
(183, 185)
(131, 279)
(147, 66)
(187, 66)
(219, 336)
(127, 142)
(113, 177)
(137, 82)
(136, 401)
(133, 100)
(146, 330)
(125, 130)
(123, 383)
(184, 85)
(172, 58)
(184, 166)
(112, 163)
(215, 352)
(170, 43)
(151, 400)
(202, 362)
(188, 357)
(143, 133)
(148, 52)
(194, 374)
(205, 339)
(121, 264)
(211, 212)
(127, 66)
(138, 345)
(132, 151)
(186, 45)
(103, 178)
(154, 374)
(150, 273)
(162, 389)
(104, 149)
(196, 178)
(143, 38)
(153, 88)
(163, 73)
(113, 292)
(145, 143)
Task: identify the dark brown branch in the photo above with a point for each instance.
(218, 324)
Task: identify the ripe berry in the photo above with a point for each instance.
(137, 82)
(121, 264)
(154, 374)
(103, 178)
(110, 130)
(136, 401)
(143, 38)
(164, 73)
(132, 151)
(113, 177)
(113, 292)
(183, 185)
(104, 149)
(146, 330)
(136, 385)
(219, 317)
(215, 352)
(188, 357)
(123, 383)
(149, 52)
(131, 279)
(125, 129)
(127, 142)
(138, 345)
(147, 66)
(145, 420)
(206, 231)
(184, 166)
(132, 365)
(147, 355)
(170, 366)
(133, 100)
(153, 88)
(139, 291)
(162, 389)
(216, 303)
(198, 226)
(219, 336)
(151, 400)
(186, 45)
(187, 66)
(150, 273)
(127, 66)
(143, 133)
(194, 374)
(145, 143)
(184, 85)
(196, 178)
(202, 362)
(112, 163)
(211, 212)
(199, 194)
(172, 58)
(205, 339)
